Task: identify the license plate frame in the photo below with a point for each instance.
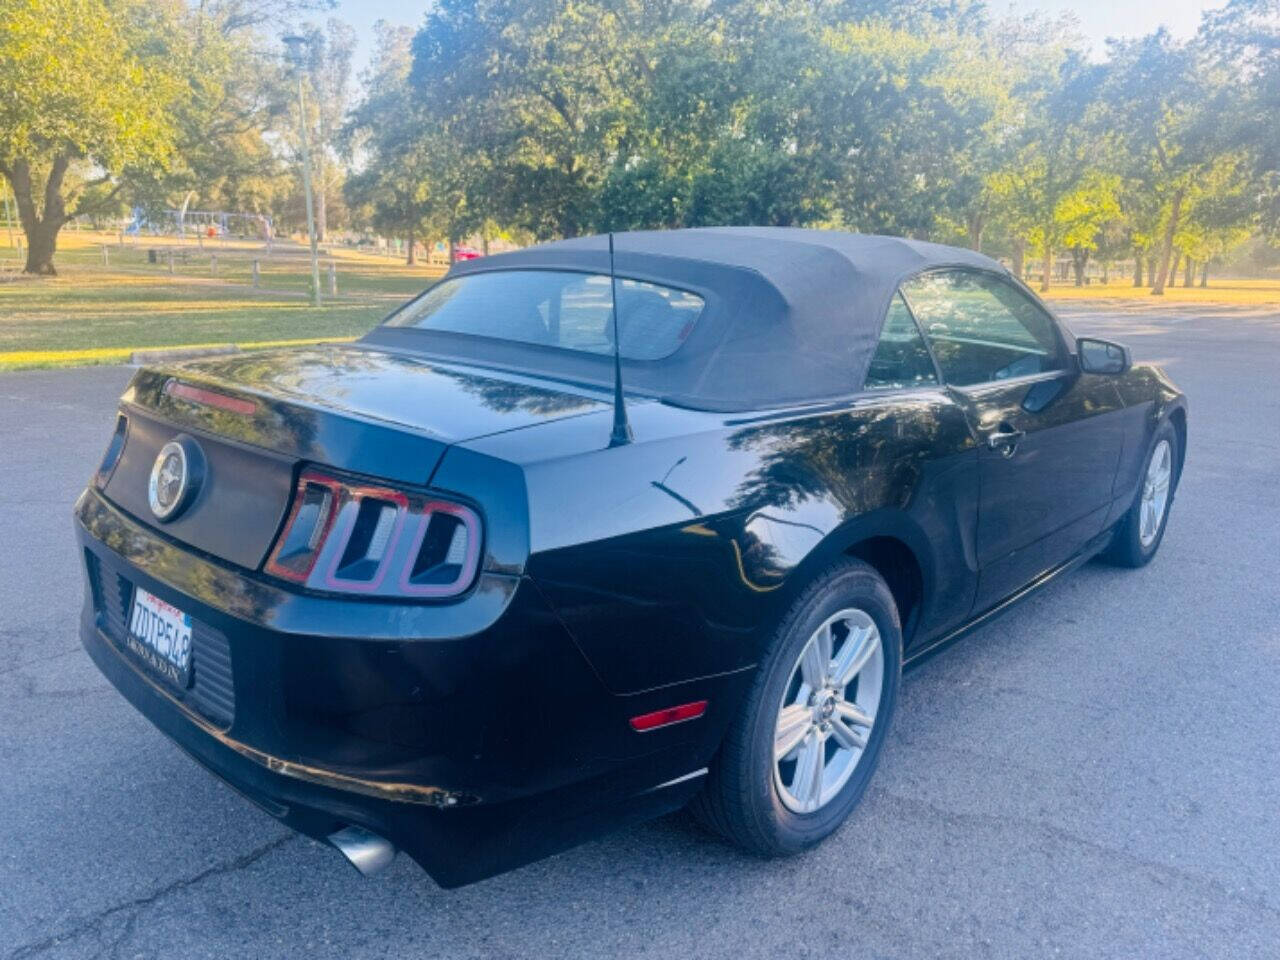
(159, 634)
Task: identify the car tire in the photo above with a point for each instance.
(1135, 541)
(759, 802)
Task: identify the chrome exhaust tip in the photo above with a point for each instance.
(364, 850)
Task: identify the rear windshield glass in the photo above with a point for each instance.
(558, 309)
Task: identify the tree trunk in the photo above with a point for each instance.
(1189, 277)
(1079, 260)
(1048, 268)
(322, 211)
(411, 257)
(1173, 268)
(977, 222)
(41, 228)
(1167, 246)
(1106, 272)
(1137, 268)
(42, 244)
(453, 250)
(1019, 259)
(1204, 273)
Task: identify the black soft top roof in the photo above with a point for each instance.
(792, 315)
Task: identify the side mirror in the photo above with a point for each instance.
(1102, 356)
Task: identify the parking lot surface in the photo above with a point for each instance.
(1096, 774)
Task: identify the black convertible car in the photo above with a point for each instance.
(453, 590)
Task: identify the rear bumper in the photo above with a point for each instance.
(474, 751)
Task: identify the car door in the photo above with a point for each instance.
(1049, 436)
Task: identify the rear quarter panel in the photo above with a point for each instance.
(673, 557)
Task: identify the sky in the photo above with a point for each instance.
(1098, 19)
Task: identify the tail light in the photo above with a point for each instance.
(352, 537)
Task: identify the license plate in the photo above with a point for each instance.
(160, 635)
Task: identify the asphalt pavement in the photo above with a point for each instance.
(1097, 774)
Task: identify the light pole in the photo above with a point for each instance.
(295, 51)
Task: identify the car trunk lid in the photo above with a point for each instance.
(255, 416)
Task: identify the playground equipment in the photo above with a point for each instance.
(201, 223)
(222, 223)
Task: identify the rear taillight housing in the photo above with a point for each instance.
(347, 536)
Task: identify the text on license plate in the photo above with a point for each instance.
(160, 634)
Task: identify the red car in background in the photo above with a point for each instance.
(466, 253)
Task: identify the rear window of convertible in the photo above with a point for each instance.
(556, 308)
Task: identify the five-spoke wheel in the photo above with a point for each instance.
(827, 710)
(801, 752)
(1139, 533)
(1155, 492)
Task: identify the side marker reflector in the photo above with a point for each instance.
(664, 718)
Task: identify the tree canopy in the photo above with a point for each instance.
(936, 119)
(86, 85)
(930, 120)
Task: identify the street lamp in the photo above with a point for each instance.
(296, 53)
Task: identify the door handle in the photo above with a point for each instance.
(1005, 439)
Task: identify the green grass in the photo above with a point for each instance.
(93, 313)
(134, 304)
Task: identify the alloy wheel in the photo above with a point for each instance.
(1155, 493)
(827, 710)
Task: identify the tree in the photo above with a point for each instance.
(391, 184)
(1243, 40)
(1163, 100)
(415, 179)
(908, 124)
(1057, 157)
(91, 87)
(329, 71)
(612, 114)
(538, 91)
(234, 121)
(1221, 214)
(1083, 216)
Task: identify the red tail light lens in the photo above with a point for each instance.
(352, 537)
(310, 519)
